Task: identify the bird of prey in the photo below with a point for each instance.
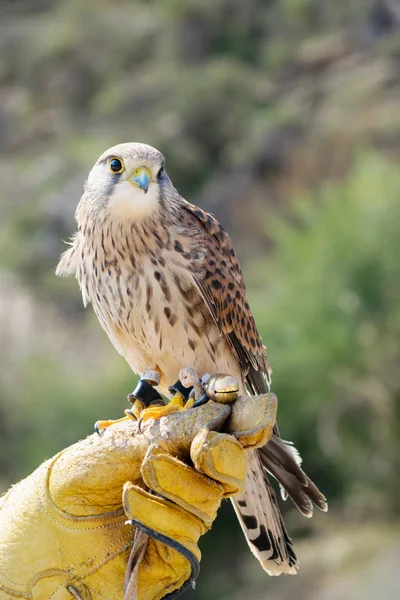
(165, 283)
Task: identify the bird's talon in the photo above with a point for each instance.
(101, 426)
(176, 404)
(155, 412)
(137, 408)
(130, 414)
(189, 404)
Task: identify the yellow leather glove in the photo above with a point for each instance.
(64, 532)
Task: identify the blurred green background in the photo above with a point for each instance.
(282, 117)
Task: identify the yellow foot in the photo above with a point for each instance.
(176, 404)
(100, 426)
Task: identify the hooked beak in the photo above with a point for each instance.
(141, 178)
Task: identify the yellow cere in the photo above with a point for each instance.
(141, 170)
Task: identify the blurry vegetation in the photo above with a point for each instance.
(282, 117)
(330, 314)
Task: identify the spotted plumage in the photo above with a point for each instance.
(166, 286)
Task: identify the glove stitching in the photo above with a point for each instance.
(107, 559)
(10, 581)
(10, 591)
(79, 572)
(81, 521)
(70, 528)
(75, 572)
(77, 578)
(45, 501)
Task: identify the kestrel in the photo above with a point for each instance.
(166, 286)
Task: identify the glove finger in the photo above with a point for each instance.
(161, 571)
(181, 484)
(151, 563)
(253, 419)
(172, 552)
(221, 457)
(162, 516)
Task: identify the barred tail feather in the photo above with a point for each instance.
(282, 460)
(262, 523)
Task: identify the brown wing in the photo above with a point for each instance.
(222, 286)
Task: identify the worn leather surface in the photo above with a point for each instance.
(64, 525)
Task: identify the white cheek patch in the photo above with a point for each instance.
(129, 201)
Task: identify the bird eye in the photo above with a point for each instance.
(116, 165)
(160, 173)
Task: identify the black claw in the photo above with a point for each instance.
(144, 392)
(130, 414)
(178, 387)
(203, 400)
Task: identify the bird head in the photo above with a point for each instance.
(125, 182)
